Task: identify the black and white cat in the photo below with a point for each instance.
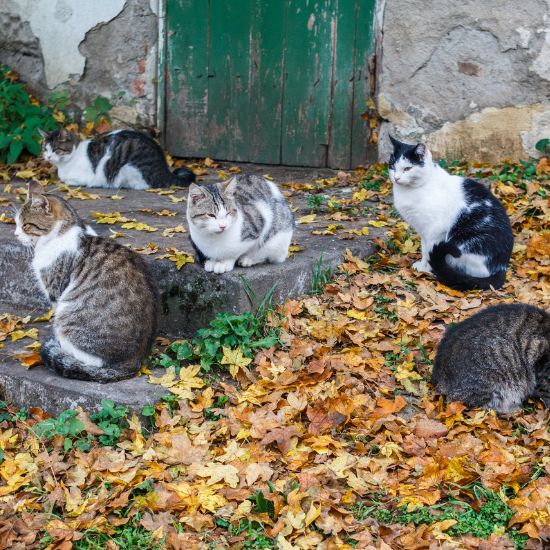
(123, 158)
(466, 236)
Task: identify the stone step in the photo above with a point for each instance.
(190, 296)
(39, 387)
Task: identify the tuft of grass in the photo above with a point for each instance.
(322, 275)
(255, 537)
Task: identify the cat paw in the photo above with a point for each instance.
(422, 267)
(218, 267)
(245, 261)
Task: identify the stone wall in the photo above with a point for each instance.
(470, 78)
(92, 48)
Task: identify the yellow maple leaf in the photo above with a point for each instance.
(178, 257)
(188, 380)
(235, 359)
(378, 223)
(20, 334)
(110, 217)
(310, 218)
(171, 231)
(139, 226)
(45, 317)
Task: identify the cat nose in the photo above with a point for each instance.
(222, 227)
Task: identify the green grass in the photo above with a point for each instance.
(322, 275)
(488, 514)
(131, 536)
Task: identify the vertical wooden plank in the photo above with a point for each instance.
(228, 80)
(266, 80)
(344, 21)
(308, 69)
(186, 76)
(364, 49)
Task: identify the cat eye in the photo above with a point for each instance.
(406, 169)
(233, 212)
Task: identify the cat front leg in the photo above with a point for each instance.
(423, 265)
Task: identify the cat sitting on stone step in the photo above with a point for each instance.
(103, 294)
(466, 236)
(244, 220)
(496, 359)
(123, 158)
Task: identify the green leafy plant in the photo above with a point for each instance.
(543, 145)
(112, 420)
(20, 118)
(98, 111)
(248, 332)
(245, 331)
(315, 202)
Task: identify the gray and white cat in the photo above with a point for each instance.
(103, 294)
(466, 236)
(244, 220)
(496, 359)
(123, 158)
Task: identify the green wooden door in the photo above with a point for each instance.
(268, 81)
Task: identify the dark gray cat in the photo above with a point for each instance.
(496, 359)
(103, 294)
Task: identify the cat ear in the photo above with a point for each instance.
(36, 196)
(229, 187)
(43, 133)
(396, 143)
(421, 150)
(195, 193)
(64, 134)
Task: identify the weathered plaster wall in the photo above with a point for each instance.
(470, 78)
(104, 47)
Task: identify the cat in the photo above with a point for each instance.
(244, 220)
(103, 294)
(123, 158)
(496, 359)
(466, 235)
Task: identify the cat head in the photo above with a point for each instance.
(58, 146)
(41, 214)
(409, 165)
(212, 208)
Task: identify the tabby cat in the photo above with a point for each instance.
(123, 158)
(103, 294)
(244, 220)
(466, 236)
(496, 359)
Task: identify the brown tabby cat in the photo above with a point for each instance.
(105, 300)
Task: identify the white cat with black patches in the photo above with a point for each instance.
(244, 220)
(466, 236)
(123, 158)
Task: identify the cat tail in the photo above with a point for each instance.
(453, 277)
(56, 359)
(184, 176)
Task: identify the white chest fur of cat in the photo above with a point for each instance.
(431, 209)
(245, 220)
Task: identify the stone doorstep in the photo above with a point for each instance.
(190, 297)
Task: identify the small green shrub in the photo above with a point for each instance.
(245, 331)
(98, 111)
(20, 118)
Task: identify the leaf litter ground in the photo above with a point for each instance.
(331, 439)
